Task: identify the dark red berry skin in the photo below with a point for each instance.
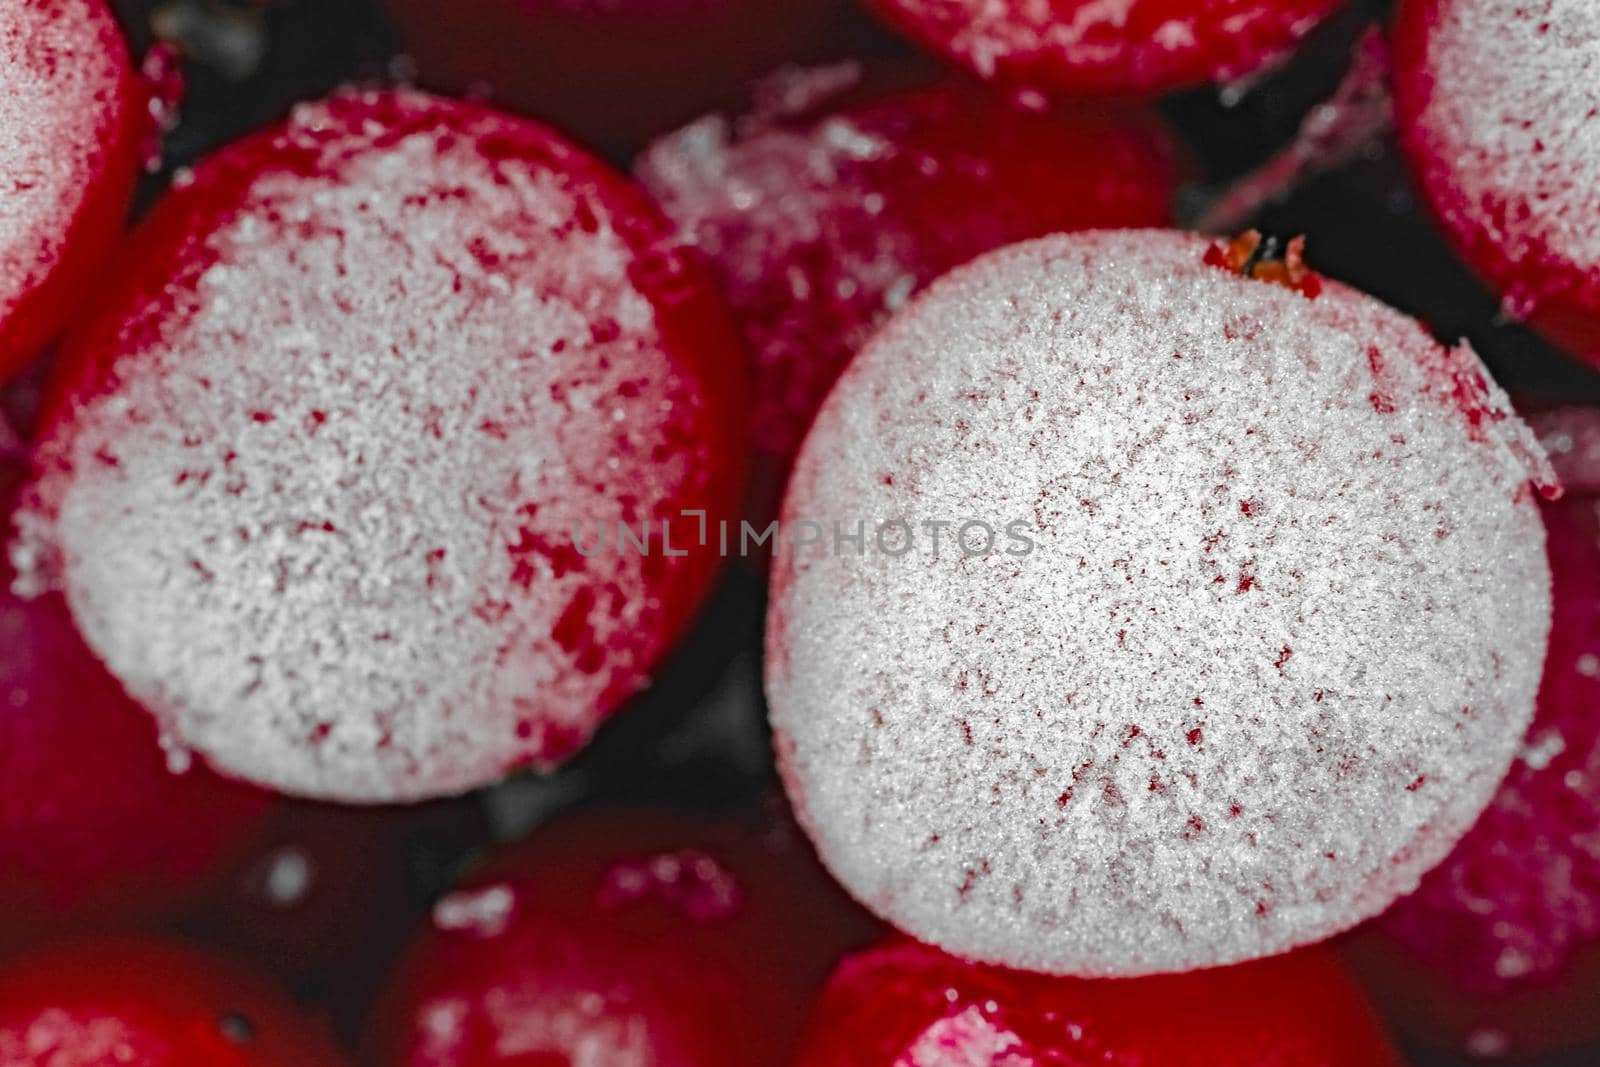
(902, 1004)
(49, 264)
(322, 899)
(146, 1003)
(611, 73)
(676, 941)
(951, 174)
(94, 827)
(1137, 48)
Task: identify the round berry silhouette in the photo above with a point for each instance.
(72, 122)
(1085, 48)
(383, 471)
(1498, 107)
(624, 936)
(1193, 615)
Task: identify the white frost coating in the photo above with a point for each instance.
(323, 526)
(58, 67)
(1113, 35)
(1514, 113)
(57, 1037)
(965, 1040)
(1277, 643)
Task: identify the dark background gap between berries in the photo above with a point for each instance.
(701, 741)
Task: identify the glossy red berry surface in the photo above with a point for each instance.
(1498, 107)
(1090, 48)
(821, 222)
(94, 826)
(147, 1004)
(70, 126)
(907, 1005)
(623, 937)
(338, 472)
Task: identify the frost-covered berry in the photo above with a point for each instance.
(147, 1004)
(1193, 617)
(70, 128)
(1511, 913)
(1498, 106)
(1091, 48)
(611, 73)
(338, 484)
(820, 225)
(623, 937)
(902, 1004)
(95, 827)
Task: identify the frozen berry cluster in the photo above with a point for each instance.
(737, 533)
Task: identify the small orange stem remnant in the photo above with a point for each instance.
(1257, 257)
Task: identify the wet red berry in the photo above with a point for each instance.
(147, 1004)
(1091, 48)
(625, 937)
(907, 1005)
(69, 152)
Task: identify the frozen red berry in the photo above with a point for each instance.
(1091, 48)
(610, 72)
(820, 225)
(1507, 919)
(907, 1005)
(340, 476)
(325, 892)
(1193, 616)
(1498, 106)
(94, 825)
(147, 1004)
(623, 937)
(70, 130)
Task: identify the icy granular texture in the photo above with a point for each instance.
(1093, 48)
(1499, 110)
(623, 939)
(908, 1005)
(819, 226)
(1522, 890)
(329, 454)
(69, 129)
(1275, 642)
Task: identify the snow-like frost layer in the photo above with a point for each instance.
(1276, 645)
(320, 515)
